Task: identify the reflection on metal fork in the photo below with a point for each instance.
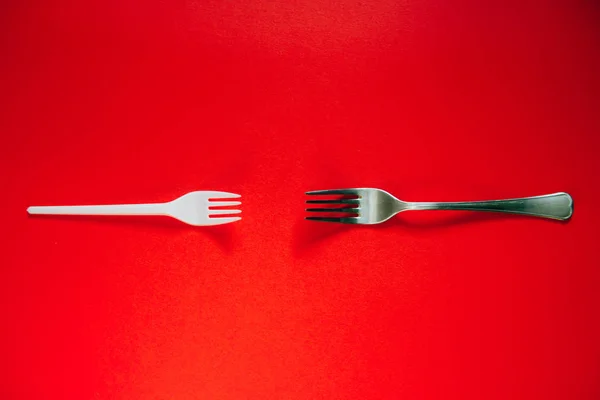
(373, 206)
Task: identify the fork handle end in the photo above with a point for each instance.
(554, 206)
(117, 209)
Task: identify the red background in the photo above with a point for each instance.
(139, 101)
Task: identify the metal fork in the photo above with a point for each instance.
(194, 208)
(373, 206)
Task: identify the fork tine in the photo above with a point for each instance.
(333, 191)
(219, 212)
(334, 210)
(221, 220)
(347, 220)
(336, 201)
(223, 203)
(221, 195)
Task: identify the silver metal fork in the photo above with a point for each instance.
(373, 206)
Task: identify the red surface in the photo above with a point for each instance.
(125, 101)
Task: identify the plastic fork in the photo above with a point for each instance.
(194, 208)
(374, 206)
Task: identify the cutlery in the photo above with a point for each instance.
(373, 206)
(194, 208)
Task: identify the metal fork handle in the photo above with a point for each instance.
(554, 206)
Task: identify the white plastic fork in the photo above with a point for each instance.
(194, 208)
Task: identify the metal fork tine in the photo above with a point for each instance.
(338, 201)
(333, 191)
(334, 210)
(347, 220)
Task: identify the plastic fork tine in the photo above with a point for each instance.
(333, 191)
(222, 220)
(336, 201)
(346, 220)
(223, 203)
(334, 210)
(219, 212)
(221, 195)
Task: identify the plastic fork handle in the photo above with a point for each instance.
(117, 209)
(554, 206)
